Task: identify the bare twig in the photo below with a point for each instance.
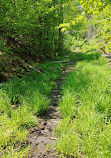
(53, 138)
(64, 61)
(29, 66)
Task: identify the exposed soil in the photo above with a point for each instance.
(41, 138)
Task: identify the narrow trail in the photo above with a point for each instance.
(41, 138)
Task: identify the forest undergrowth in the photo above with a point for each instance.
(21, 101)
(86, 109)
(33, 32)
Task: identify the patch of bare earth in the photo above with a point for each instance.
(41, 138)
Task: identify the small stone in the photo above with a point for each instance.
(42, 133)
(45, 123)
(41, 126)
(50, 129)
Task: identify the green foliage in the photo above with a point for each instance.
(39, 28)
(87, 22)
(98, 14)
(85, 107)
(4, 49)
(34, 24)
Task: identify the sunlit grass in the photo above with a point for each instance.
(86, 109)
(21, 100)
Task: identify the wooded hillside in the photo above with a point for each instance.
(54, 78)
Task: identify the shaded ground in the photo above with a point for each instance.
(11, 65)
(41, 138)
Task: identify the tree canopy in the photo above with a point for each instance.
(39, 26)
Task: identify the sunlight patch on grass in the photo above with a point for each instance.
(86, 109)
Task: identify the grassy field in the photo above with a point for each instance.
(21, 100)
(86, 109)
(85, 106)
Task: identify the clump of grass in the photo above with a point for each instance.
(90, 55)
(86, 109)
(21, 100)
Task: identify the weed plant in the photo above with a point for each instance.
(86, 109)
(21, 100)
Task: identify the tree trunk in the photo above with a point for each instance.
(60, 32)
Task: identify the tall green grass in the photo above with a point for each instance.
(86, 109)
(21, 100)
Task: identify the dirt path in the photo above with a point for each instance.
(41, 138)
